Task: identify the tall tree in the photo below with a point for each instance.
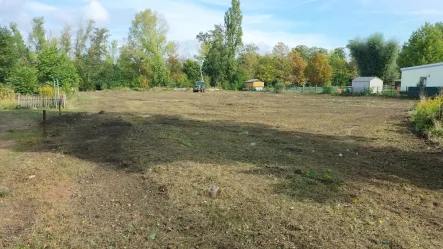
(376, 57)
(425, 46)
(303, 51)
(8, 53)
(192, 70)
(248, 60)
(297, 67)
(19, 43)
(215, 63)
(234, 37)
(149, 44)
(268, 70)
(37, 37)
(340, 70)
(281, 51)
(318, 71)
(66, 40)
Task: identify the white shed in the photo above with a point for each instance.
(362, 84)
(430, 75)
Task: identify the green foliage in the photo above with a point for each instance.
(148, 46)
(318, 71)
(376, 57)
(267, 69)
(24, 80)
(278, 87)
(5, 192)
(327, 90)
(427, 114)
(192, 70)
(222, 44)
(8, 53)
(55, 65)
(425, 46)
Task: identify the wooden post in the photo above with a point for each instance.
(44, 123)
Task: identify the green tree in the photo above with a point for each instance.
(268, 70)
(8, 53)
(318, 71)
(19, 44)
(149, 45)
(234, 34)
(376, 57)
(297, 67)
(340, 70)
(192, 70)
(53, 64)
(215, 63)
(425, 46)
(37, 37)
(248, 60)
(24, 80)
(66, 40)
(303, 51)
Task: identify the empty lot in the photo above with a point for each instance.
(133, 169)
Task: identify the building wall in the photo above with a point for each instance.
(359, 86)
(254, 84)
(410, 78)
(377, 85)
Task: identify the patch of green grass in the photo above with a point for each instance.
(5, 192)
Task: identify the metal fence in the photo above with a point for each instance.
(27, 101)
(386, 91)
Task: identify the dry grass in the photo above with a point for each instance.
(294, 171)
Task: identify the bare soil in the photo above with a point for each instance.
(133, 170)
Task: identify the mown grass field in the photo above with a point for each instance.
(132, 170)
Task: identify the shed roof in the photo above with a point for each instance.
(253, 80)
(360, 79)
(422, 66)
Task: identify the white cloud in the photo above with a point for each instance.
(95, 11)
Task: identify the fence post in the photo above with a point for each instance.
(44, 123)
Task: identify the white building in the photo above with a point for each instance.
(429, 75)
(362, 84)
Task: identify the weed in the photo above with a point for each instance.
(5, 192)
(327, 90)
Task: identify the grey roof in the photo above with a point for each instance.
(359, 79)
(253, 80)
(422, 66)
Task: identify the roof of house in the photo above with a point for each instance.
(359, 79)
(253, 80)
(422, 66)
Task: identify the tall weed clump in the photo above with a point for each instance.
(427, 116)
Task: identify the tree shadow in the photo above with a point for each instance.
(309, 166)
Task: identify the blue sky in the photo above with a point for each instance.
(325, 23)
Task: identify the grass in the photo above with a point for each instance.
(294, 171)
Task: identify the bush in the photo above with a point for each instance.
(46, 91)
(278, 87)
(327, 90)
(427, 114)
(6, 92)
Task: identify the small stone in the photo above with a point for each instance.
(436, 204)
(31, 177)
(340, 155)
(213, 190)
(253, 144)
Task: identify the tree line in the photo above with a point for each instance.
(87, 59)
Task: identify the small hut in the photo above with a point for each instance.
(255, 84)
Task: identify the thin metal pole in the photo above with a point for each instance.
(44, 123)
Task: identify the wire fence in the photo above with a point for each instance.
(385, 90)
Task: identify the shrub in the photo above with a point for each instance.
(46, 91)
(327, 90)
(6, 92)
(427, 114)
(278, 87)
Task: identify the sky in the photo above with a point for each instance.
(321, 23)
